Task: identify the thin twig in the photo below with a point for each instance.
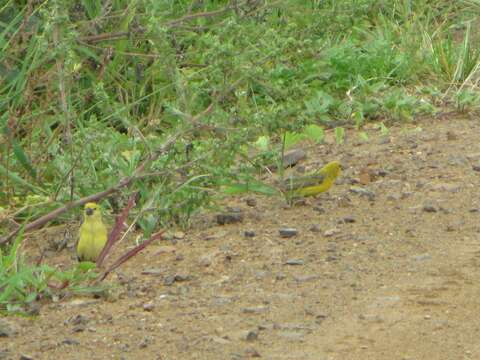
(117, 230)
(103, 37)
(130, 254)
(69, 173)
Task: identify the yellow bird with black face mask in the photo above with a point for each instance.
(93, 234)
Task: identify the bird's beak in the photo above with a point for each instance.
(89, 211)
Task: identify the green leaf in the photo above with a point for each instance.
(148, 225)
(264, 189)
(339, 135)
(320, 104)
(93, 7)
(235, 189)
(253, 186)
(23, 159)
(18, 180)
(314, 133)
(292, 138)
(363, 136)
(85, 266)
(263, 143)
(384, 130)
(31, 297)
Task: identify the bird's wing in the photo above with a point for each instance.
(299, 182)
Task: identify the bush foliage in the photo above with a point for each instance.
(90, 89)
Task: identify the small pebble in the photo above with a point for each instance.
(331, 258)
(306, 278)
(145, 342)
(430, 207)
(234, 215)
(155, 272)
(422, 257)
(253, 353)
(169, 280)
(291, 335)
(255, 310)
(6, 330)
(205, 260)
(26, 357)
(394, 197)
(182, 277)
(70, 342)
(251, 202)
(288, 232)
(252, 335)
(292, 157)
(331, 232)
(281, 276)
(79, 319)
(347, 220)
(294, 262)
(442, 187)
(148, 306)
(78, 328)
(451, 136)
(370, 195)
(319, 209)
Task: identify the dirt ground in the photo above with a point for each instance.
(384, 266)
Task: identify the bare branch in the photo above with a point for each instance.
(117, 230)
(130, 254)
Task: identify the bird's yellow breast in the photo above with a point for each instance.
(93, 236)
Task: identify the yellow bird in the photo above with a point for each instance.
(93, 234)
(314, 183)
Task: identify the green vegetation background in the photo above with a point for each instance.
(90, 89)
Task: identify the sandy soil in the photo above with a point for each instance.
(385, 266)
